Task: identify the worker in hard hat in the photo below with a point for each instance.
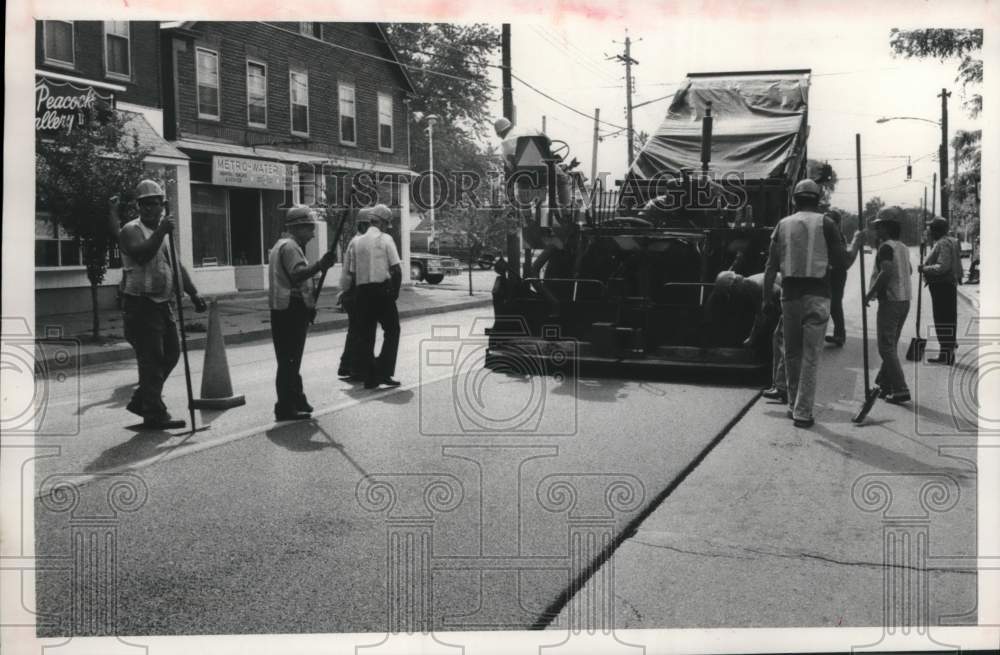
(890, 283)
(803, 247)
(291, 298)
(943, 271)
(348, 301)
(374, 268)
(148, 299)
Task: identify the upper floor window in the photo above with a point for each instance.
(314, 30)
(257, 93)
(298, 83)
(60, 46)
(348, 128)
(117, 40)
(385, 122)
(208, 83)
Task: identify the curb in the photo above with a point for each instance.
(123, 351)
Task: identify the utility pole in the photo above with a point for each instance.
(628, 61)
(943, 154)
(593, 154)
(508, 91)
(934, 197)
(543, 125)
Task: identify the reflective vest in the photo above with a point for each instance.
(802, 245)
(154, 279)
(280, 289)
(898, 285)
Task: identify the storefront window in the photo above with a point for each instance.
(53, 247)
(209, 226)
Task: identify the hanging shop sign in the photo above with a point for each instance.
(64, 106)
(250, 173)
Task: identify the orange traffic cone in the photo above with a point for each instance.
(216, 387)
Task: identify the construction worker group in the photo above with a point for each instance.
(369, 285)
(809, 251)
(805, 271)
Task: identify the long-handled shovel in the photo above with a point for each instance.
(178, 283)
(871, 393)
(336, 240)
(915, 353)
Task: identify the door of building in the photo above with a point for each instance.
(246, 238)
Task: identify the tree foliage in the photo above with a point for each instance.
(75, 174)
(448, 66)
(944, 44)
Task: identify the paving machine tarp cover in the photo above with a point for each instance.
(625, 282)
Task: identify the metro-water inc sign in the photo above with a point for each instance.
(248, 173)
(64, 106)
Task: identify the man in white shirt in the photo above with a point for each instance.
(348, 300)
(374, 268)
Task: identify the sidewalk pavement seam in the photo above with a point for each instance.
(123, 351)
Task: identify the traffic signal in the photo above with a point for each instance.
(909, 169)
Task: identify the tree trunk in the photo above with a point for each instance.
(96, 326)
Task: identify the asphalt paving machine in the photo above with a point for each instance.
(623, 281)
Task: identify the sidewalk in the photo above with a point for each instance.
(245, 317)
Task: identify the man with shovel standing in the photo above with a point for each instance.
(147, 303)
(891, 285)
(943, 269)
(291, 299)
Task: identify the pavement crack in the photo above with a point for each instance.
(735, 550)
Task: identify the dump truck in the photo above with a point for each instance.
(624, 281)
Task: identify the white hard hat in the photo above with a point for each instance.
(147, 189)
(501, 124)
(379, 212)
(300, 215)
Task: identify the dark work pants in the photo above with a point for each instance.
(838, 280)
(944, 304)
(349, 356)
(376, 306)
(152, 333)
(288, 331)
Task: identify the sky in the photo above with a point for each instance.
(855, 80)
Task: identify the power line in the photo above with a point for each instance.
(563, 104)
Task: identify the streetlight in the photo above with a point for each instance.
(431, 120)
(943, 149)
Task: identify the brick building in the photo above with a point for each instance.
(118, 63)
(272, 113)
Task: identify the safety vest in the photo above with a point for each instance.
(280, 288)
(154, 279)
(898, 285)
(803, 245)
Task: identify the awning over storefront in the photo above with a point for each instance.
(137, 124)
(291, 156)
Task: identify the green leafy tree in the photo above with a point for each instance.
(448, 64)
(944, 44)
(76, 172)
(966, 180)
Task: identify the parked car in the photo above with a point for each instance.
(432, 268)
(454, 245)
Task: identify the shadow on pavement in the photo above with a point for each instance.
(140, 447)
(119, 398)
(864, 448)
(297, 436)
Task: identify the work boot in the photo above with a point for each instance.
(303, 405)
(836, 340)
(898, 397)
(291, 415)
(774, 393)
(946, 357)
